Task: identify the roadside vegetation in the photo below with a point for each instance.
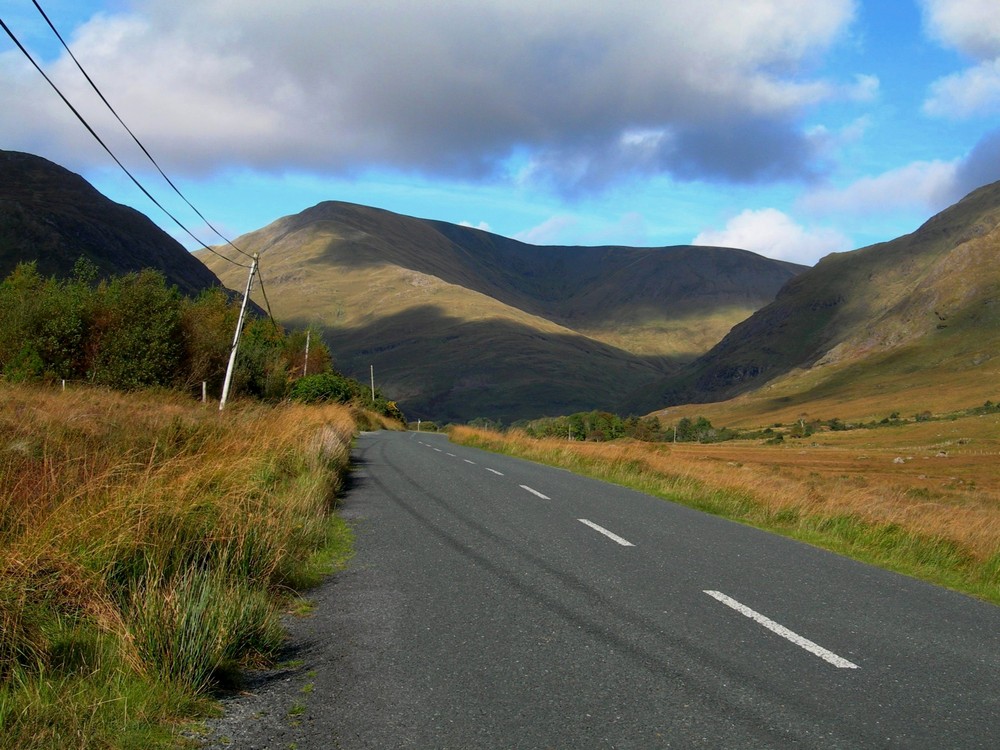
(601, 426)
(148, 545)
(134, 331)
(148, 542)
(921, 496)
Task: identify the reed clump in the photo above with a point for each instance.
(147, 547)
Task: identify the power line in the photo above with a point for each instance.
(267, 302)
(129, 130)
(106, 148)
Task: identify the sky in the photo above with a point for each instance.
(789, 128)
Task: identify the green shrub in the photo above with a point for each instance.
(328, 386)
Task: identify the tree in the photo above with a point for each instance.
(134, 338)
(261, 370)
(42, 324)
(207, 327)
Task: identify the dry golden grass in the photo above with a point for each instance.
(146, 543)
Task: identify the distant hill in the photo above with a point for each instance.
(53, 217)
(461, 323)
(914, 320)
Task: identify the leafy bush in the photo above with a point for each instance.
(327, 386)
(135, 331)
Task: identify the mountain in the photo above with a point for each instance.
(53, 217)
(913, 320)
(460, 323)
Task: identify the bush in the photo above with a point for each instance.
(328, 386)
(135, 331)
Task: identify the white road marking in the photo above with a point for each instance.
(498, 473)
(451, 454)
(535, 492)
(439, 450)
(609, 534)
(469, 462)
(784, 632)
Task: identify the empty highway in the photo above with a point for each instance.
(496, 603)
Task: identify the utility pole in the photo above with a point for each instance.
(305, 366)
(236, 337)
(373, 384)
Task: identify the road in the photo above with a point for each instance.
(496, 603)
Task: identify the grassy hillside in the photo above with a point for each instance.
(462, 323)
(53, 217)
(909, 324)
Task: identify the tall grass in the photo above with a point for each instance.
(146, 548)
(956, 545)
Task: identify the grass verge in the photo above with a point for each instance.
(957, 547)
(148, 546)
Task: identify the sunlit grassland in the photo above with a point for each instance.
(922, 499)
(940, 375)
(148, 545)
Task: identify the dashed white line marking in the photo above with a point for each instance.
(439, 450)
(451, 454)
(498, 473)
(609, 534)
(536, 493)
(798, 640)
(469, 462)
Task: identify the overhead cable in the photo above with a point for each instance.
(267, 303)
(129, 130)
(106, 148)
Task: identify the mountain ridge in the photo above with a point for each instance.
(906, 299)
(53, 216)
(344, 267)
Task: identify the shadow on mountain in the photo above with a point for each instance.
(53, 217)
(569, 285)
(910, 300)
(452, 370)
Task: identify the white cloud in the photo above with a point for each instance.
(453, 87)
(923, 185)
(855, 131)
(970, 26)
(552, 231)
(973, 91)
(973, 28)
(775, 234)
(865, 89)
(481, 225)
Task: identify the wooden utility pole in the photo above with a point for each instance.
(305, 366)
(236, 337)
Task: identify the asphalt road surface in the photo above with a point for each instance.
(496, 603)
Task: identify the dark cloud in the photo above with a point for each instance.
(981, 166)
(748, 151)
(590, 92)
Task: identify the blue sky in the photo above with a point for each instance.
(789, 128)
